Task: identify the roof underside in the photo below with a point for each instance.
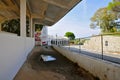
(46, 12)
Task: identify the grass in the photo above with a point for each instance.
(112, 34)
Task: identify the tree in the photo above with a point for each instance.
(12, 26)
(105, 19)
(115, 6)
(70, 35)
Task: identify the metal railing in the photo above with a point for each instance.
(105, 47)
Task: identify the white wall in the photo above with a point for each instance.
(100, 68)
(94, 44)
(13, 53)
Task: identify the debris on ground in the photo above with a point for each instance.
(59, 69)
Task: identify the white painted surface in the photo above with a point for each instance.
(23, 18)
(102, 69)
(44, 34)
(7, 33)
(94, 44)
(13, 53)
(31, 27)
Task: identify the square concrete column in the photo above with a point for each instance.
(33, 30)
(23, 18)
(31, 27)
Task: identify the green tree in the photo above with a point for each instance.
(12, 26)
(70, 35)
(105, 19)
(115, 6)
(80, 41)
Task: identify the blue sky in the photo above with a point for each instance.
(78, 19)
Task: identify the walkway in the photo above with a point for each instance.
(60, 69)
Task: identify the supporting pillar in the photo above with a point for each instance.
(23, 18)
(31, 27)
(33, 30)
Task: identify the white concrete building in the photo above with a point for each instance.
(15, 49)
(60, 41)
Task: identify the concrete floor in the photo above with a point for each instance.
(60, 69)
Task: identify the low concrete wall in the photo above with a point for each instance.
(94, 44)
(13, 53)
(102, 69)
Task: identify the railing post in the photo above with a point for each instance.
(102, 45)
(79, 46)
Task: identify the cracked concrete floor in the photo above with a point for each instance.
(60, 69)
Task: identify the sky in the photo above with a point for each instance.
(78, 19)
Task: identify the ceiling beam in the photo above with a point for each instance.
(41, 17)
(56, 3)
(15, 6)
(39, 23)
(33, 15)
(8, 10)
(3, 2)
(2, 14)
(43, 10)
(49, 19)
(9, 5)
(9, 2)
(4, 8)
(2, 17)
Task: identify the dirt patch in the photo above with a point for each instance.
(60, 69)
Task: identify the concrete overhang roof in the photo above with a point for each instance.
(46, 12)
